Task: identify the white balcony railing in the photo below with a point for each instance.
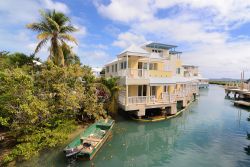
(180, 93)
(166, 98)
(137, 100)
(133, 73)
(141, 99)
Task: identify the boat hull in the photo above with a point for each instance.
(81, 154)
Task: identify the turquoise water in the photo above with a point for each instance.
(210, 133)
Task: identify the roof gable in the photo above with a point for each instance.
(135, 49)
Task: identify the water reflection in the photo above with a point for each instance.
(152, 141)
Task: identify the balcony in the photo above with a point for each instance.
(133, 73)
(147, 100)
(168, 98)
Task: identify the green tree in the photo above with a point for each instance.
(40, 110)
(113, 87)
(4, 59)
(70, 57)
(20, 59)
(54, 27)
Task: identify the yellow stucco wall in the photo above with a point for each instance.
(132, 90)
(178, 63)
(159, 90)
(157, 73)
(171, 89)
(133, 62)
(160, 71)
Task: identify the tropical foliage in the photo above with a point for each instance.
(39, 108)
(55, 28)
(41, 104)
(112, 88)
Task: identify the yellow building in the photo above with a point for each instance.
(193, 71)
(153, 78)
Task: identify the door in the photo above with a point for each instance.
(142, 90)
(153, 91)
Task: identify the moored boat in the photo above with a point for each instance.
(87, 144)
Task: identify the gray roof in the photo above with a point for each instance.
(160, 45)
(174, 52)
(135, 50)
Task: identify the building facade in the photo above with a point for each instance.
(193, 71)
(153, 78)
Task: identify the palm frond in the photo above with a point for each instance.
(36, 27)
(69, 28)
(54, 23)
(40, 45)
(44, 35)
(68, 37)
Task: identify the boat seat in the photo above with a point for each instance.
(80, 147)
(91, 139)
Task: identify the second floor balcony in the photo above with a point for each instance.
(134, 73)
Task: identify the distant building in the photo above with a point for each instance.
(193, 71)
(37, 63)
(247, 84)
(97, 71)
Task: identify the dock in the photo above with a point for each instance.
(238, 93)
(242, 103)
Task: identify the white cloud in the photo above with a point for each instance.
(16, 11)
(126, 39)
(126, 11)
(225, 12)
(221, 60)
(96, 58)
(58, 6)
(179, 29)
(81, 30)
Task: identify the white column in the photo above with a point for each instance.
(127, 62)
(126, 98)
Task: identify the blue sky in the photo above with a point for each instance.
(214, 34)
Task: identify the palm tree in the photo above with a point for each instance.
(54, 27)
(113, 88)
(70, 57)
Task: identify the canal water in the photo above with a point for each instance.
(211, 132)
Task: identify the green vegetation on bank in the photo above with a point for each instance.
(218, 82)
(224, 82)
(40, 105)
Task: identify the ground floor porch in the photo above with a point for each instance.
(165, 98)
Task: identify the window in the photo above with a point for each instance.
(142, 65)
(178, 70)
(125, 64)
(142, 90)
(112, 68)
(152, 66)
(156, 51)
(165, 89)
(121, 65)
(153, 91)
(107, 69)
(115, 67)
